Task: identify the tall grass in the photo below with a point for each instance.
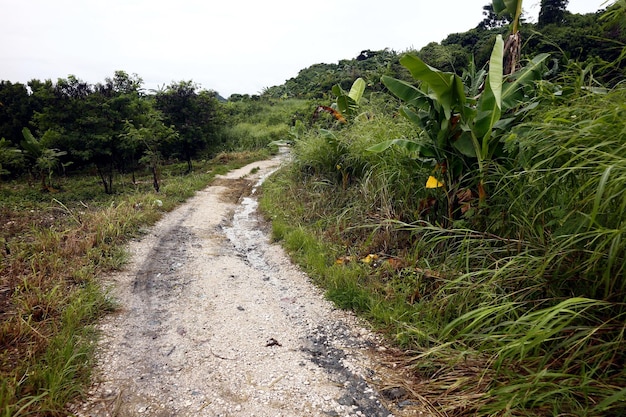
(580, 162)
(247, 135)
(254, 124)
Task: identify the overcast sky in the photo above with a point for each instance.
(231, 46)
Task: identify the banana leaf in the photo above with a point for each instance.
(513, 89)
(357, 90)
(490, 103)
(446, 87)
(406, 92)
(513, 7)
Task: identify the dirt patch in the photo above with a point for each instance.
(214, 320)
(234, 189)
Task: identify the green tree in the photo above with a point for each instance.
(15, 110)
(446, 57)
(10, 157)
(195, 115)
(151, 135)
(119, 99)
(552, 11)
(87, 120)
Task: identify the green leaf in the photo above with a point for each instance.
(338, 91)
(345, 104)
(513, 7)
(412, 116)
(495, 70)
(30, 144)
(617, 397)
(404, 144)
(465, 145)
(490, 102)
(599, 194)
(406, 92)
(446, 87)
(327, 134)
(357, 90)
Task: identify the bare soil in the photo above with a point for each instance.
(214, 320)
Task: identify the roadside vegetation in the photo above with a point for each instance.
(478, 222)
(466, 198)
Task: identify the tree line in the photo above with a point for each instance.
(588, 42)
(113, 126)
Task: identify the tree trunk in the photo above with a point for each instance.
(189, 165)
(512, 53)
(155, 178)
(106, 182)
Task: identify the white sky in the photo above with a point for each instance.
(231, 46)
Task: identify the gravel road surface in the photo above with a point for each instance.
(214, 320)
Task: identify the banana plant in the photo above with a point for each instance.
(41, 158)
(460, 134)
(348, 103)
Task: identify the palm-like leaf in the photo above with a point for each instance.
(445, 87)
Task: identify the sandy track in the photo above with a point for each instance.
(215, 321)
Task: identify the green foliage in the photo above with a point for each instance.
(10, 157)
(552, 11)
(86, 121)
(348, 103)
(512, 7)
(253, 136)
(516, 310)
(195, 115)
(515, 307)
(42, 159)
(576, 153)
(521, 312)
(456, 131)
(256, 124)
(317, 81)
(16, 110)
(153, 136)
(449, 58)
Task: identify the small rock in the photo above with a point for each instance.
(394, 393)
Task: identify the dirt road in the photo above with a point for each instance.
(214, 320)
